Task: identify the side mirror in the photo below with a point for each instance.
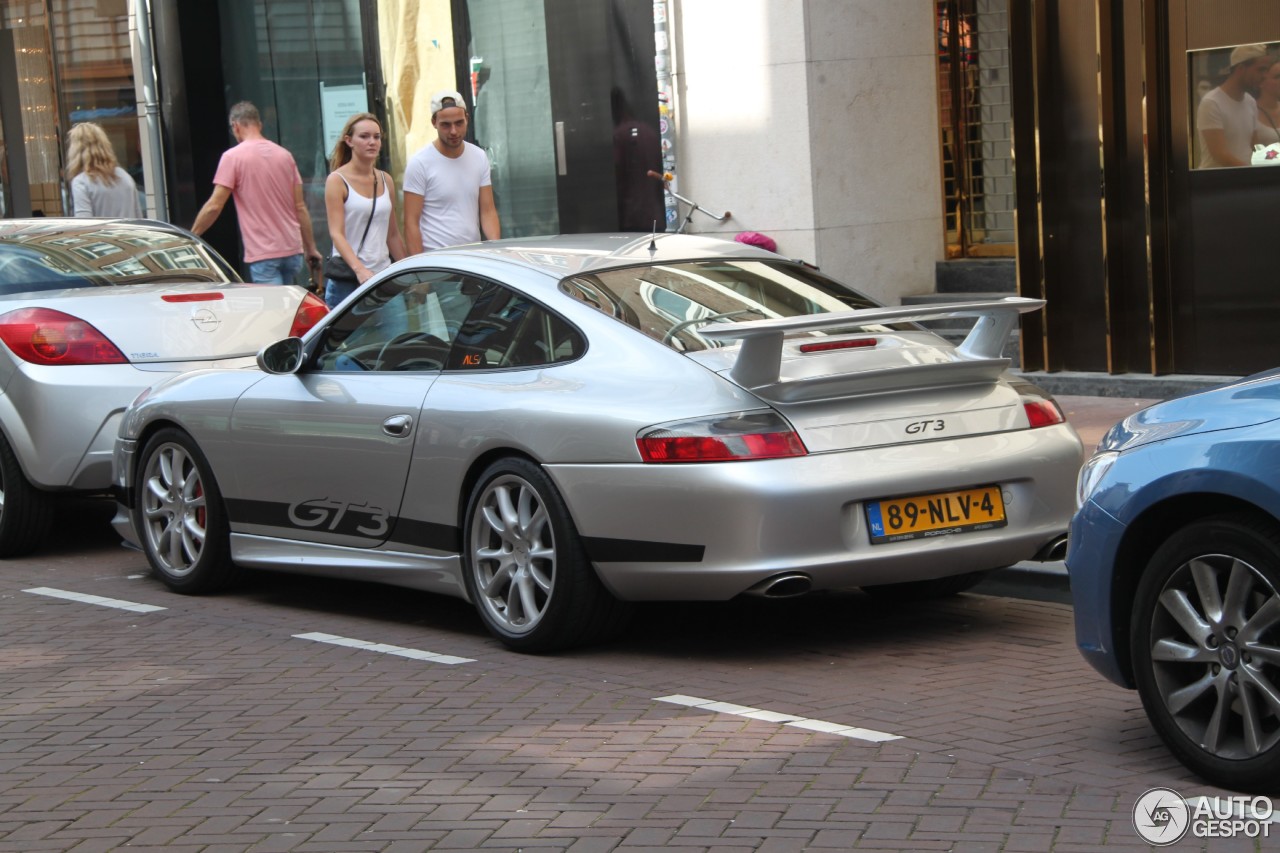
(282, 357)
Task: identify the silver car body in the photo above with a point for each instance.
(62, 420)
(367, 474)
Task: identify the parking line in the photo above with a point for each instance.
(383, 648)
(94, 599)
(775, 717)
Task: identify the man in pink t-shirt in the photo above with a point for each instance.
(263, 179)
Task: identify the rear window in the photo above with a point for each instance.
(671, 303)
(88, 253)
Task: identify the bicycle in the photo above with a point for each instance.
(666, 178)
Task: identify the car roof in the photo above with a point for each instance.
(36, 226)
(570, 254)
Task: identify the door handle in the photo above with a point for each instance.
(398, 426)
(562, 165)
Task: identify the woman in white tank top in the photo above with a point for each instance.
(355, 189)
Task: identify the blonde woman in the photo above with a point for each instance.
(359, 203)
(99, 187)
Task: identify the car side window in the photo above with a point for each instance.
(406, 323)
(507, 329)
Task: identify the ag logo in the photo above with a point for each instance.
(1161, 816)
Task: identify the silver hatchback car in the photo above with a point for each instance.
(554, 427)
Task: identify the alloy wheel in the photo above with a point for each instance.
(173, 509)
(513, 553)
(1215, 655)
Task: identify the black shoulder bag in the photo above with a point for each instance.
(335, 267)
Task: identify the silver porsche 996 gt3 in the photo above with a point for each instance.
(555, 427)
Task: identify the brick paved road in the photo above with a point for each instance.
(210, 725)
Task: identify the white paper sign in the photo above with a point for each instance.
(337, 104)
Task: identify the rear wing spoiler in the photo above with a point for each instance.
(760, 359)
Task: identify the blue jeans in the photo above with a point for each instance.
(276, 270)
(336, 291)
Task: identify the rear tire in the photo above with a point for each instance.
(180, 517)
(525, 568)
(26, 513)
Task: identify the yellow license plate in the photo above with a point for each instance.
(899, 519)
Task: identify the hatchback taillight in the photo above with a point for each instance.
(46, 336)
(722, 438)
(310, 311)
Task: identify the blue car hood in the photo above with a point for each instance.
(1249, 401)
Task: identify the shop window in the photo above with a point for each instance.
(1234, 106)
(976, 119)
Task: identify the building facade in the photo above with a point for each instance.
(873, 139)
(1151, 263)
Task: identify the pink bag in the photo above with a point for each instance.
(755, 238)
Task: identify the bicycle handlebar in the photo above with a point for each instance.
(666, 178)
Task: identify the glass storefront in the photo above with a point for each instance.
(565, 97)
(302, 64)
(61, 62)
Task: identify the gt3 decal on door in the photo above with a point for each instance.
(318, 512)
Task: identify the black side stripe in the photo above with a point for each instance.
(355, 521)
(606, 550)
(358, 521)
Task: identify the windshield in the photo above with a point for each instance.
(89, 253)
(673, 302)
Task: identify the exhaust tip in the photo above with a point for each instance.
(787, 585)
(1055, 550)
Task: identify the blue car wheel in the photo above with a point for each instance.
(1206, 649)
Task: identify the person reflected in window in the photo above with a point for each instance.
(1228, 114)
(359, 201)
(637, 152)
(99, 187)
(1267, 129)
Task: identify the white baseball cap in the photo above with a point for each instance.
(1247, 53)
(441, 101)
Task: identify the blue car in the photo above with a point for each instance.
(1174, 557)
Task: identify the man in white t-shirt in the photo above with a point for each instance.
(1226, 115)
(448, 193)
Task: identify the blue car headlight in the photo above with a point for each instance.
(1092, 474)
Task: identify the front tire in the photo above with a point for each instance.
(524, 565)
(26, 513)
(180, 517)
(1205, 640)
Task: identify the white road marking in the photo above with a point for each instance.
(94, 599)
(383, 648)
(775, 717)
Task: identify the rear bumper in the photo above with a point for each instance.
(755, 520)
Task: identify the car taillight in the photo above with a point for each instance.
(45, 336)
(310, 311)
(1042, 413)
(192, 297)
(828, 346)
(1042, 410)
(723, 438)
